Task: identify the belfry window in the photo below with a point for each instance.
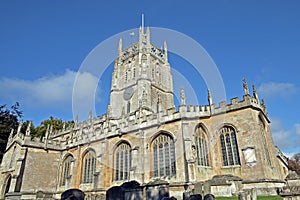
(122, 162)
(201, 147)
(89, 166)
(229, 148)
(66, 170)
(163, 156)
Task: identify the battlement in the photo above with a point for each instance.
(104, 127)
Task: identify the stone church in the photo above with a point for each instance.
(143, 138)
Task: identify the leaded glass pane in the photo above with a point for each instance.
(163, 156)
(229, 147)
(223, 148)
(122, 160)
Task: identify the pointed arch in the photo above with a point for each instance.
(229, 146)
(122, 161)
(163, 149)
(66, 169)
(89, 166)
(201, 142)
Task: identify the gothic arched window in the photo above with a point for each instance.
(89, 166)
(201, 147)
(66, 170)
(122, 162)
(163, 156)
(229, 146)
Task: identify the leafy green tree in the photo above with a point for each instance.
(25, 126)
(9, 119)
(54, 123)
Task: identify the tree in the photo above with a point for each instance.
(294, 163)
(54, 123)
(9, 119)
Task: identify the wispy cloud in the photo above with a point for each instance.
(286, 140)
(53, 91)
(275, 89)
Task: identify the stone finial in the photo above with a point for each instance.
(64, 126)
(209, 97)
(28, 129)
(182, 97)
(108, 111)
(140, 35)
(263, 105)
(11, 134)
(255, 93)
(76, 121)
(90, 116)
(47, 132)
(166, 50)
(19, 127)
(51, 129)
(148, 35)
(245, 86)
(120, 47)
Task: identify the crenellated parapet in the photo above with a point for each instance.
(104, 127)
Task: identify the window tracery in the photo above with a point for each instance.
(163, 156)
(122, 162)
(89, 167)
(201, 147)
(229, 147)
(66, 170)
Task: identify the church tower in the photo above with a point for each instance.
(141, 80)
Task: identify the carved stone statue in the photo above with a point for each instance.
(245, 86)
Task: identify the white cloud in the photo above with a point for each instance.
(53, 91)
(273, 89)
(287, 140)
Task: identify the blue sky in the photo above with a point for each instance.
(43, 44)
